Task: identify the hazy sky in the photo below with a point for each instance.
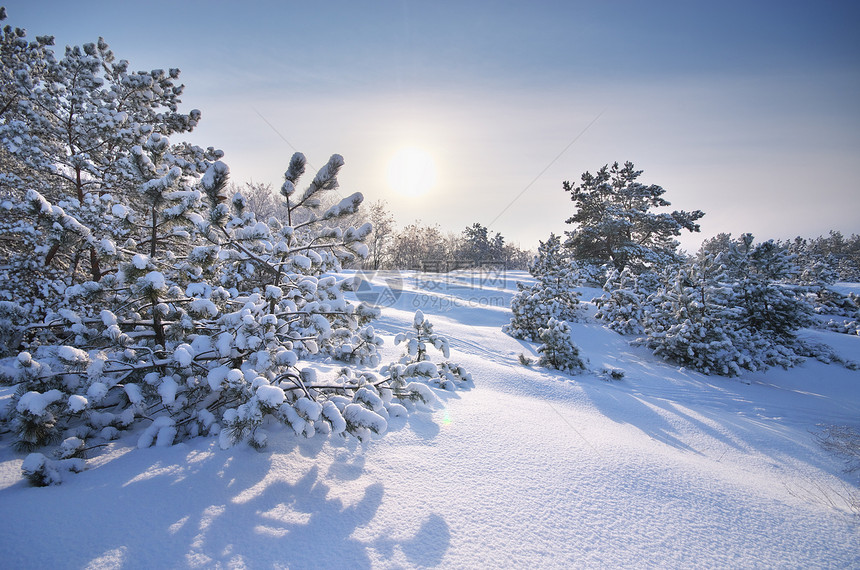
(749, 111)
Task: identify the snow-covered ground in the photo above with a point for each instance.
(529, 469)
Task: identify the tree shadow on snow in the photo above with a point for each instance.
(426, 548)
(621, 406)
(301, 525)
(423, 426)
(677, 413)
(193, 505)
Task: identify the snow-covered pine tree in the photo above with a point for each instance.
(624, 306)
(553, 295)
(207, 326)
(557, 349)
(818, 262)
(415, 364)
(22, 65)
(478, 246)
(831, 258)
(814, 272)
(692, 322)
(315, 245)
(160, 304)
(615, 222)
(730, 310)
(530, 310)
(772, 306)
(155, 301)
(551, 262)
(814, 267)
(71, 133)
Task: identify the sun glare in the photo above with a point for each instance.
(411, 172)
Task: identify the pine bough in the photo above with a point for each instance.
(207, 325)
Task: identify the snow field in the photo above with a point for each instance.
(530, 468)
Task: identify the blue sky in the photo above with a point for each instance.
(749, 111)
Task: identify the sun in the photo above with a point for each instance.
(411, 172)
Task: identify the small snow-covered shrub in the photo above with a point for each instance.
(827, 301)
(557, 348)
(823, 353)
(608, 373)
(42, 472)
(841, 326)
(534, 306)
(415, 362)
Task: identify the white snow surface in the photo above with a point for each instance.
(531, 468)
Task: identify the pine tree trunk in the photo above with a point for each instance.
(152, 244)
(95, 268)
(51, 253)
(157, 326)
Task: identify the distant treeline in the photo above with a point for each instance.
(418, 246)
